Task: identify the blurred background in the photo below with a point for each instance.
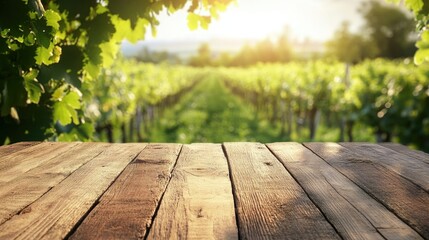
(267, 71)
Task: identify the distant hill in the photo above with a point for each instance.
(186, 48)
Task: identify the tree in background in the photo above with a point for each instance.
(349, 47)
(389, 28)
(144, 55)
(284, 48)
(387, 33)
(51, 51)
(203, 57)
(266, 51)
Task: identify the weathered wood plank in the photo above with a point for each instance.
(408, 167)
(25, 189)
(198, 203)
(54, 214)
(16, 164)
(8, 149)
(269, 202)
(126, 209)
(353, 212)
(404, 198)
(422, 156)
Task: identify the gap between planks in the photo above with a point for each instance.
(8, 149)
(405, 199)
(24, 190)
(354, 213)
(199, 188)
(408, 167)
(52, 219)
(127, 208)
(270, 203)
(336, 187)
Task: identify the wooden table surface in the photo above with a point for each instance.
(213, 191)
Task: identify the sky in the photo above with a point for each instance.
(258, 19)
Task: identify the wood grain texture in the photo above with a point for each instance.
(198, 202)
(406, 166)
(16, 164)
(8, 149)
(27, 188)
(269, 202)
(54, 214)
(126, 209)
(353, 213)
(422, 156)
(407, 200)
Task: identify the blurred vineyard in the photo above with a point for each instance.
(377, 100)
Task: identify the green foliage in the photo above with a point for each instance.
(53, 47)
(390, 97)
(265, 51)
(131, 89)
(203, 58)
(350, 48)
(420, 9)
(389, 29)
(209, 113)
(147, 56)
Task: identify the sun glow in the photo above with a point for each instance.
(255, 19)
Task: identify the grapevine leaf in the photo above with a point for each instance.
(130, 9)
(80, 132)
(132, 35)
(43, 32)
(85, 131)
(34, 90)
(193, 21)
(58, 93)
(195, 4)
(72, 99)
(414, 5)
(62, 113)
(71, 62)
(421, 56)
(205, 21)
(100, 29)
(109, 51)
(153, 30)
(422, 53)
(178, 4)
(94, 53)
(92, 69)
(122, 28)
(42, 55)
(52, 19)
(68, 68)
(65, 110)
(33, 87)
(77, 10)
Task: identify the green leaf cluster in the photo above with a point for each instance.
(391, 97)
(52, 47)
(420, 9)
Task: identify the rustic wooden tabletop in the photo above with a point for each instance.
(213, 191)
